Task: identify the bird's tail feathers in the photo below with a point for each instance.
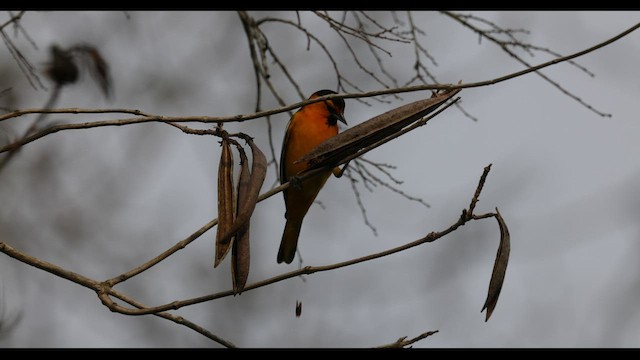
(289, 242)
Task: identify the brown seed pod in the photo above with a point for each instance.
(499, 267)
(226, 211)
(258, 173)
(240, 255)
(352, 140)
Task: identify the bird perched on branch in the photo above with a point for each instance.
(308, 127)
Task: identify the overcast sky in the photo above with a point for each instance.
(101, 201)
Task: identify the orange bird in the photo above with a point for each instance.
(308, 127)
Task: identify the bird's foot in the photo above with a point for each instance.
(296, 182)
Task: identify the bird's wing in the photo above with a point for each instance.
(283, 155)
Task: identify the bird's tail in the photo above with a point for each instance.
(289, 241)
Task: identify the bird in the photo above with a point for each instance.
(308, 127)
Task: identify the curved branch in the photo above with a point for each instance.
(100, 288)
(465, 217)
(183, 243)
(175, 318)
(104, 290)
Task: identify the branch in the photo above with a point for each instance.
(465, 217)
(363, 210)
(38, 120)
(503, 46)
(105, 290)
(12, 20)
(182, 244)
(99, 288)
(18, 113)
(23, 64)
(49, 267)
(176, 319)
(403, 342)
(241, 118)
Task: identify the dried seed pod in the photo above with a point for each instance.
(499, 267)
(226, 211)
(258, 173)
(350, 141)
(240, 255)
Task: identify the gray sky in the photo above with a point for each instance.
(102, 201)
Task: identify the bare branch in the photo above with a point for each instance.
(476, 196)
(310, 36)
(403, 342)
(147, 265)
(529, 47)
(175, 318)
(49, 267)
(465, 217)
(100, 289)
(386, 184)
(241, 118)
(14, 19)
(504, 47)
(363, 210)
(25, 66)
(105, 290)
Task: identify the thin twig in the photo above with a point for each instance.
(403, 342)
(389, 186)
(25, 66)
(504, 47)
(38, 120)
(241, 118)
(12, 20)
(476, 196)
(363, 210)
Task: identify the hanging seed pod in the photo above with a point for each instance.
(226, 211)
(499, 267)
(240, 255)
(258, 173)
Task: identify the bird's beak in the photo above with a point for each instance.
(341, 119)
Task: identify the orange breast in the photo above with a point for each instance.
(308, 129)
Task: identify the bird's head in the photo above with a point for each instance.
(334, 106)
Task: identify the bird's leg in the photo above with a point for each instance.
(295, 182)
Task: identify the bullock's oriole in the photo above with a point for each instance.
(308, 127)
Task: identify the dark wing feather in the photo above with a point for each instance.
(283, 156)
